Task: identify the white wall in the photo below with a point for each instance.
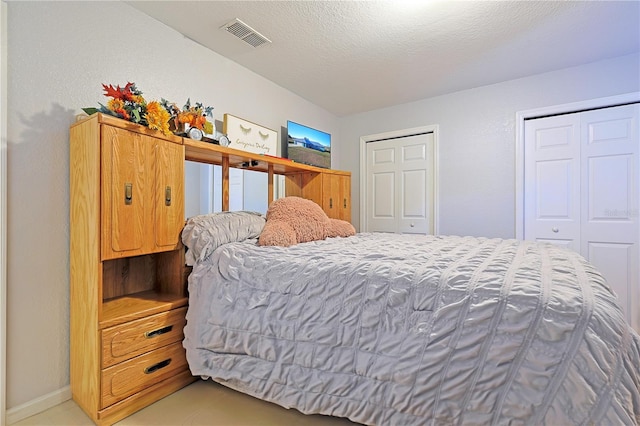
(477, 134)
(59, 55)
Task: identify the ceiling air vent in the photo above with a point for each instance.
(245, 33)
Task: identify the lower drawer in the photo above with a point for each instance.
(134, 375)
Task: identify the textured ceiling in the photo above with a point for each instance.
(356, 56)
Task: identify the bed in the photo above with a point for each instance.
(389, 329)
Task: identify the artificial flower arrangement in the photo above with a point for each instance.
(193, 116)
(128, 103)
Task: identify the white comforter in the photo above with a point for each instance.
(396, 330)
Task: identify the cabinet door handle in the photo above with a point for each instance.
(128, 193)
(155, 367)
(330, 203)
(167, 196)
(158, 332)
(345, 203)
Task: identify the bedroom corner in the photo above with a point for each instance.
(3, 201)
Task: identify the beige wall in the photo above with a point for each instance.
(59, 55)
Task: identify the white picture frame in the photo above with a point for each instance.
(248, 136)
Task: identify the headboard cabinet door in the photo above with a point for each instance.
(330, 190)
(336, 196)
(143, 193)
(169, 193)
(124, 197)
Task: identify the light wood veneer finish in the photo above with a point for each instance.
(128, 276)
(127, 267)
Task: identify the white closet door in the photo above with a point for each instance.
(582, 190)
(400, 185)
(610, 178)
(552, 180)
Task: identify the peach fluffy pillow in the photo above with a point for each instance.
(293, 220)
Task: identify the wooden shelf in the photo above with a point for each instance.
(209, 153)
(204, 152)
(138, 305)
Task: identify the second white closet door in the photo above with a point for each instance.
(582, 191)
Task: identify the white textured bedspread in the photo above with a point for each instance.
(393, 329)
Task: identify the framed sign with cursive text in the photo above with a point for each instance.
(249, 136)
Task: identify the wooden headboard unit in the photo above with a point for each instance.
(127, 262)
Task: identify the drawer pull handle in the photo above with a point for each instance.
(128, 193)
(167, 196)
(155, 367)
(154, 333)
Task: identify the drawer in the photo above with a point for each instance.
(134, 338)
(125, 379)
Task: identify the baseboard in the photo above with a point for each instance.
(38, 405)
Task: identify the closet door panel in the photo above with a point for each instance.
(618, 264)
(552, 180)
(381, 187)
(610, 224)
(400, 184)
(609, 196)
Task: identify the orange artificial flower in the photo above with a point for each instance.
(199, 121)
(158, 117)
(115, 104)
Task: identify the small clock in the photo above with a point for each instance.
(223, 140)
(195, 133)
